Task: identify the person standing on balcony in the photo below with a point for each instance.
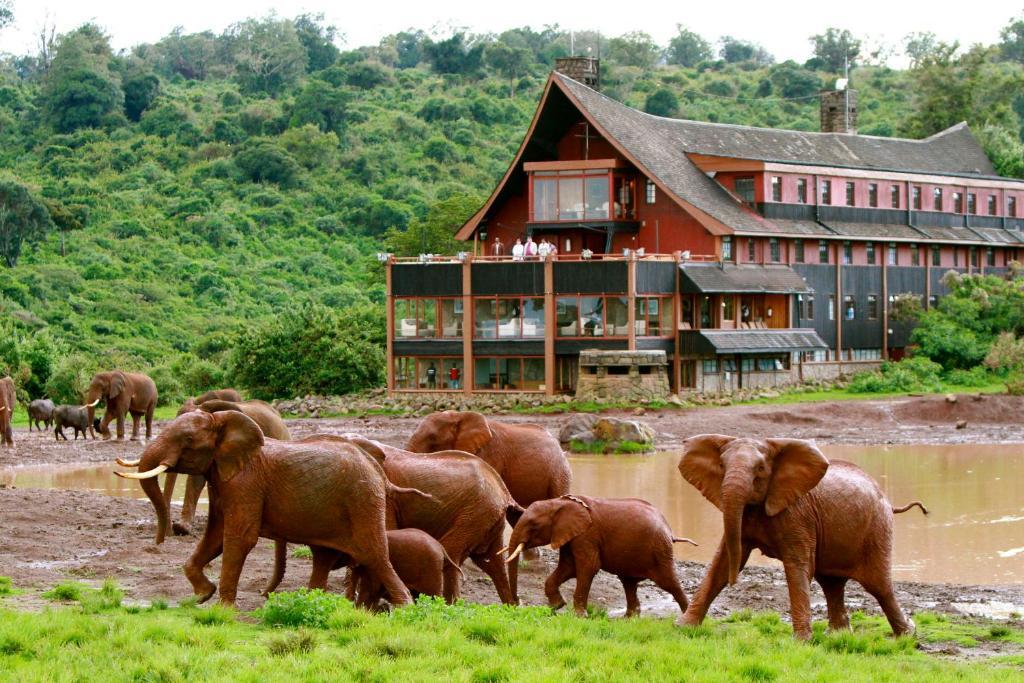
(497, 248)
(543, 249)
(530, 248)
(517, 250)
(453, 378)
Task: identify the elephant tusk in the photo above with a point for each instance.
(501, 552)
(92, 405)
(519, 549)
(159, 469)
(128, 463)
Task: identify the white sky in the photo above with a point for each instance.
(782, 27)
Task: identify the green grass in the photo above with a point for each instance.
(312, 635)
(302, 552)
(600, 447)
(798, 395)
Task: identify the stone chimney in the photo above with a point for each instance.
(586, 70)
(834, 116)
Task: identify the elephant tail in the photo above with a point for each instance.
(906, 507)
(401, 491)
(676, 539)
(513, 511)
(449, 563)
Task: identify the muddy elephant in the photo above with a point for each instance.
(468, 511)
(286, 491)
(7, 402)
(215, 394)
(827, 521)
(40, 410)
(124, 393)
(269, 422)
(627, 537)
(76, 417)
(527, 458)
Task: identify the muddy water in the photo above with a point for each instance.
(974, 535)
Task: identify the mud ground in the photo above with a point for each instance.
(48, 536)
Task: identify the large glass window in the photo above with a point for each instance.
(568, 316)
(592, 316)
(508, 374)
(570, 199)
(545, 199)
(596, 197)
(533, 317)
(431, 374)
(572, 195)
(415, 318)
(653, 316)
(486, 316)
(616, 318)
(508, 317)
(451, 318)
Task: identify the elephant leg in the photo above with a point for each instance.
(494, 567)
(881, 590)
(206, 551)
(170, 479)
(450, 576)
(798, 581)
(193, 489)
(714, 581)
(512, 569)
(665, 578)
(834, 588)
(149, 422)
(629, 585)
(586, 570)
(136, 423)
(280, 561)
(565, 570)
(324, 560)
(120, 427)
(240, 537)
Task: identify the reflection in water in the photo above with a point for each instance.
(975, 533)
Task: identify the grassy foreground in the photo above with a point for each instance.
(316, 636)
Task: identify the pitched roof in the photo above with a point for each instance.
(724, 277)
(759, 341)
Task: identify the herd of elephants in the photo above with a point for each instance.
(405, 520)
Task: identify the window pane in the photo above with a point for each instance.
(917, 197)
(705, 312)
(849, 194)
(894, 192)
(745, 189)
(570, 199)
(774, 248)
(801, 190)
(427, 318)
(822, 251)
(533, 317)
(727, 248)
(533, 374)
(872, 306)
(451, 373)
(405, 317)
(429, 373)
(937, 199)
(591, 316)
(508, 317)
(617, 316)
(776, 188)
(728, 307)
(799, 249)
(485, 319)
(404, 369)
(451, 318)
(545, 197)
(872, 194)
(826, 192)
(597, 197)
(869, 251)
(664, 311)
(568, 316)
(485, 373)
(849, 307)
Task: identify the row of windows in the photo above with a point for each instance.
(893, 191)
(747, 364)
(892, 252)
(805, 306)
(501, 317)
(501, 373)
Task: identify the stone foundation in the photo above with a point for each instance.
(623, 375)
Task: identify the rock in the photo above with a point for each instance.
(579, 427)
(614, 430)
(639, 411)
(675, 400)
(950, 398)
(961, 424)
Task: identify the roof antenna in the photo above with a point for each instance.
(572, 43)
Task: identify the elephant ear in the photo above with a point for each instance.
(471, 432)
(116, 384)
(240, 439)
(216, 405)
(701, 464)
(797, 467)
(571, 519)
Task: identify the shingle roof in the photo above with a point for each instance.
(761, 341)
(725, 277)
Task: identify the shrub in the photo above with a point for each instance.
(65, 591)
(214, 615)
(6, 587)
(304, 607)
(911, 374)
(302, 642)
(264, 161)
(975, 377)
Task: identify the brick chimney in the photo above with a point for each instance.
(586, 70)
(834, 115)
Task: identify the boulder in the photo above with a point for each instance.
(616, 430)
(579, 427)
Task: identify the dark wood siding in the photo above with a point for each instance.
(859, 281)
(574, 346)
(903, 280)
(666, 345)
(523, 277)
(655, 277)
(426, 347)
(508, 347)
(423, 279)
(822, 279)
(592, 277)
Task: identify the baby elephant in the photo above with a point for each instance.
(76, 417)
(40, 410)
(627, 537)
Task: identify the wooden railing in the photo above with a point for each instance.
(437, 258)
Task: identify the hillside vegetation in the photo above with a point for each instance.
(208, 207)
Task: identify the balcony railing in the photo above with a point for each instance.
(633, 254)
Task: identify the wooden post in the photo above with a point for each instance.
(837, 309)
(885, 307)
(677, 317)
(389, 316)
(468, 325)
(631, 299)
(550, 326)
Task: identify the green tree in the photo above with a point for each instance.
(511, 62)
(734, 50)
(268, 55)
(435, 234)
(261, 160)
(140, 90)
(1011, 45)
(191, 56)
(662, 102)
(835, 47)
(6, 13)
(23, 219)
(634, 49)
(921, 47)
(80, 90)
(687, 48)
(322, 104)
(317, 40)
(794, 82)
(454, 55)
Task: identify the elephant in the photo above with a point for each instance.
(527, 458)
(218, 394)
(269, 422)
(124, 393)
(469, 521)
(418, 558)
(627, 537)
(285, 491)
(826, 520)
(40, 410)
(76, 417)
(8, 397)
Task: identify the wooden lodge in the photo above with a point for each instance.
(751, 256)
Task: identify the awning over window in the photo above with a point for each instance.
(751, 341)
(699, 278)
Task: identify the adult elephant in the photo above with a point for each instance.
(527, 458)
(825, 520)
(293, 492)
(124, 393)
(215, 394)
(260, 412)
(7, 403)
(467, 513)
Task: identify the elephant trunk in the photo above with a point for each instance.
(153, 460)
(156, 497)
(734, 500)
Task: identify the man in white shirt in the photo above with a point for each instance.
(517, 250)
(543, 249)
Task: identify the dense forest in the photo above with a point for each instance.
(207, 208)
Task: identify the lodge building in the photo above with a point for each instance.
(750, 256)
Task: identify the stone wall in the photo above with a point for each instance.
(799, 373)
(623, 375)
